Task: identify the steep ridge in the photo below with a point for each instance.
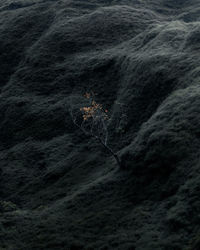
(59, 190)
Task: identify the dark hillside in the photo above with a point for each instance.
(61, 190)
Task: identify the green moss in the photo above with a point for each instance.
(195, 243)
(7, 206)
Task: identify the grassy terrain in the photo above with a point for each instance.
(60, 189)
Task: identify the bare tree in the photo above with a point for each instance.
(92, 119)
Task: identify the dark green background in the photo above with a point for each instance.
(58, 188)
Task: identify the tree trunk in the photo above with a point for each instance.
(112, 153)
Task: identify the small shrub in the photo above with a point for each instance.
(92, 119)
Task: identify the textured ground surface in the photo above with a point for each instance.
(60, 190)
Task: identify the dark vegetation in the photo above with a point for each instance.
(59, 190)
